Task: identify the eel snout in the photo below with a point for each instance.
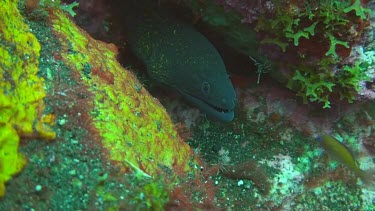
(222, 111)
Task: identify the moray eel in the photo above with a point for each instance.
(177, 55)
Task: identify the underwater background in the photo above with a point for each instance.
(187, 105)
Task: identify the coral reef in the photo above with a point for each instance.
(311, 45)
(116, 146)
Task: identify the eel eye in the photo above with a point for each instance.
(205, 88)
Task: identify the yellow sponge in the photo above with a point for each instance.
(21, 90)
(11, 162)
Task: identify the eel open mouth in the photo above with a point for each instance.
(222, 114)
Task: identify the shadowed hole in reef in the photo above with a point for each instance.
(104, 20)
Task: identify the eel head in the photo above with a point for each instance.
(215, 96)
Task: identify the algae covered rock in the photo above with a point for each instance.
(92, 96)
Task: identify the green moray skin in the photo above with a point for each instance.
(177, 55)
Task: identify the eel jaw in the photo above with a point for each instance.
(225, 115)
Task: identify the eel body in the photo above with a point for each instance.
(177, 55)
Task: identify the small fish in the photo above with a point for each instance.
(343, 155)
(177, 55)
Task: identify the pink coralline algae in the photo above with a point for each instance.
(369, 144)
(249, 10)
